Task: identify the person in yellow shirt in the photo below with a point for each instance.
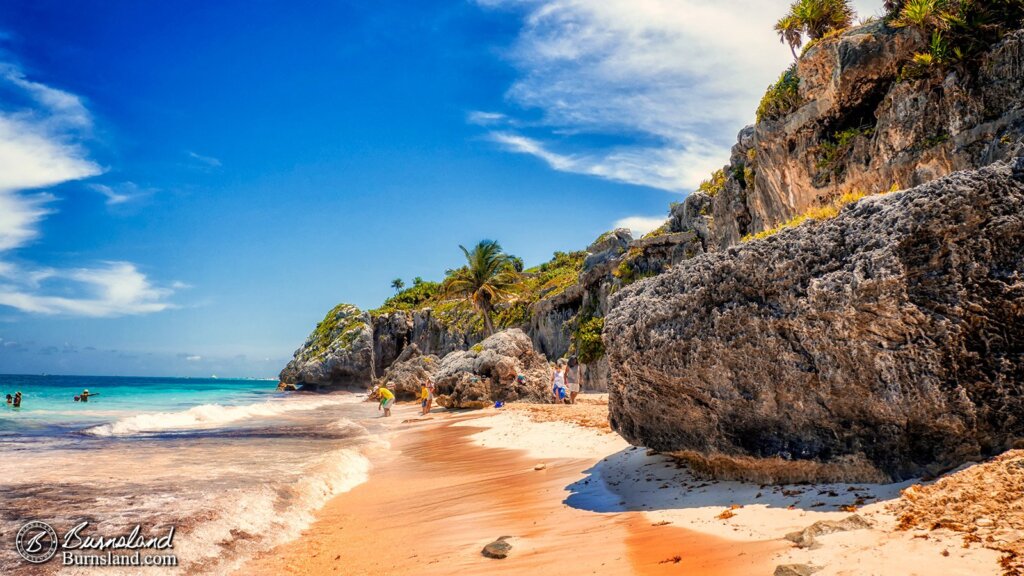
(426, 397)
(387, 398)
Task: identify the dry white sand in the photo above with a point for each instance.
(629, 479)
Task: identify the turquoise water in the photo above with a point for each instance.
(49, 400)
(235, 466)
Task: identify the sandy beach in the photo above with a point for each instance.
(574, 498)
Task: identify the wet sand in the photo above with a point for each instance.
(435, 499)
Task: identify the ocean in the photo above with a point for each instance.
(234, 466)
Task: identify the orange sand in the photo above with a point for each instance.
(435, 499)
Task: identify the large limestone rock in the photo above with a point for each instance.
(899, 131)
(881, 344)
(338, 353)
(489, 372)
(407, 373)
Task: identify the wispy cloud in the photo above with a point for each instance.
(481, 118)
(121, 193)
(672, 81)
(664, 168)
(41, 134)
(208, 161)
(640, 225)
(112, 289)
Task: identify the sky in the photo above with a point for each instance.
(187, 187)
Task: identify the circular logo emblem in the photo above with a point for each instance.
(36, 542)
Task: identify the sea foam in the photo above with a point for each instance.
(207, 416)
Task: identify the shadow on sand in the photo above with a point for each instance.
(633, 480)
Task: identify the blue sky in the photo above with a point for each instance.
(186, 188)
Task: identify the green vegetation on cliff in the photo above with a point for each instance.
(814, 18)
(532, 285)
(957, 29)
(343, 323)
(781, 98)
(589, 346)
(715, 184)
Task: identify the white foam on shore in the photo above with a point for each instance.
(213, 415)
(270, 515)
(224, 531)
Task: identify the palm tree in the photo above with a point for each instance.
(488, 278)
(815, 18)
(397, 284)
(790, 31)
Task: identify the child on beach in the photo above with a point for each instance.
(387, 398)
(426, 397)
(558, 389)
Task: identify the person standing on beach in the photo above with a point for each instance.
(572, 378)
(558, 381)
(387, 398)
(426, 396)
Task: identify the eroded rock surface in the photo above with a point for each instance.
(490, 372)
(338, 353)
(888, 341)
(407, 373)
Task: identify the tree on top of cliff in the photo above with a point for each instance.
(488, 278)
(814, 18)
(398, 284)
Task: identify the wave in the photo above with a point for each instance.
(258, 520)
(218, 533)
(207, 416)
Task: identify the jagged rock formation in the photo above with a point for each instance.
(338, 353)
(408, 372)
(394, 331)
(491, 370)
(866, 125)
(884, 343)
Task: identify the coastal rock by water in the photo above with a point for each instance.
(490, 372)
(338, 353)
(407, 373)
(881, 344)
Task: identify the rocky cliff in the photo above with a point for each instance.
(883, 343)
(865, 120)
(338, 353)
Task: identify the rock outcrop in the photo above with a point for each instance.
(504, 367)
(407, 373)
(881, 344)
(338, 353)
(866, 125)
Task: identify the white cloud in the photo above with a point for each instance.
(481, 118)
(113, 289)
(40, 146)
(674, 80)
(666, 168)
(640, 225)
(209, 161)
(193, 358)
